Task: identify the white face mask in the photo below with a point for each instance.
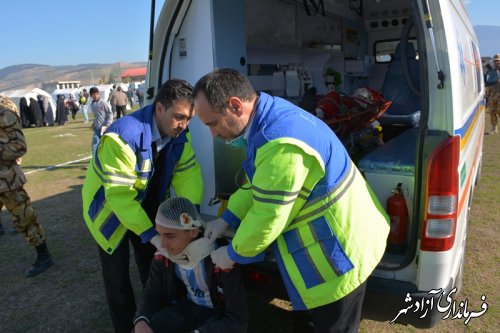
(193, 253)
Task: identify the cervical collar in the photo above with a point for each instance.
(193, 253)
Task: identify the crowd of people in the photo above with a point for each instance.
(301, 200)
(39, 112)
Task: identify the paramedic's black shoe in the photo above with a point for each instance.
(43, 261)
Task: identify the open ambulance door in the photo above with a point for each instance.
(191, 39)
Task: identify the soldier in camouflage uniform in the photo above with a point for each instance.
(493, 99)
(13, 231)
(12, 179)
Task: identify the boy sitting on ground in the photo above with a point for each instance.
(184, 291)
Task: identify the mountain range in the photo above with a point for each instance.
(33, 75)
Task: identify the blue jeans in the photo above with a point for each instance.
(85, 111)
(96, 138)
(182, 316)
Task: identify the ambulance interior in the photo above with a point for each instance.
(344, 61)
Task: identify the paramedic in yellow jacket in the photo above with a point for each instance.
(304, 198)
(139, 158)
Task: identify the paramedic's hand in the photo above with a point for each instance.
(215, 228)
(221, 259)
(157, 243)
(103, 129)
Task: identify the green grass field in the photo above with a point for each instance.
(69, 297)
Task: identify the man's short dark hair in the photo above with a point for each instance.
(119, 88)
(221, 84)
(93, 90)
(174, 90)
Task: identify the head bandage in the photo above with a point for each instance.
(180, 213)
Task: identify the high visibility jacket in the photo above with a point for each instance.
(309, 203)
(118, 176)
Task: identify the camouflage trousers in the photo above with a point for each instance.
(494, 115)
(24, 218)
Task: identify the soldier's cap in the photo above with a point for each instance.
(7, 103)
(496, 57)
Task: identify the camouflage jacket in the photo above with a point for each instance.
(493, 96)
(12, 147)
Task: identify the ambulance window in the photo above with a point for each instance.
(477, 66)
(385, 49)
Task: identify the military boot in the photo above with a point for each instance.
(43, 261)
(493, 130)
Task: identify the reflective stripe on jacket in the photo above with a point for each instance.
(309, 203)
(117, 179)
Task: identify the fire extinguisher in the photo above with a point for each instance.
(398, 213)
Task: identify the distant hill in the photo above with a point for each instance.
(33, 75)
(489, 43)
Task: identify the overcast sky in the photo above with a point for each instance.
(59, 32)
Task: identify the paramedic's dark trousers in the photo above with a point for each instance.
(343, 315)
(115, 271)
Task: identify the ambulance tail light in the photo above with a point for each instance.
(440, 222)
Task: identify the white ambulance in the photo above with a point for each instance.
(420, 55)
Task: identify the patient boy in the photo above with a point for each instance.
(185, 292)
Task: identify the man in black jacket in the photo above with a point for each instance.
(184, 292)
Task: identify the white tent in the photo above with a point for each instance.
(104, 91)
(16, 95)
(66, 92)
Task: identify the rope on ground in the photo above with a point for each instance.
(58, 165)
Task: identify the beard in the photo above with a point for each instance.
(235, 127)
